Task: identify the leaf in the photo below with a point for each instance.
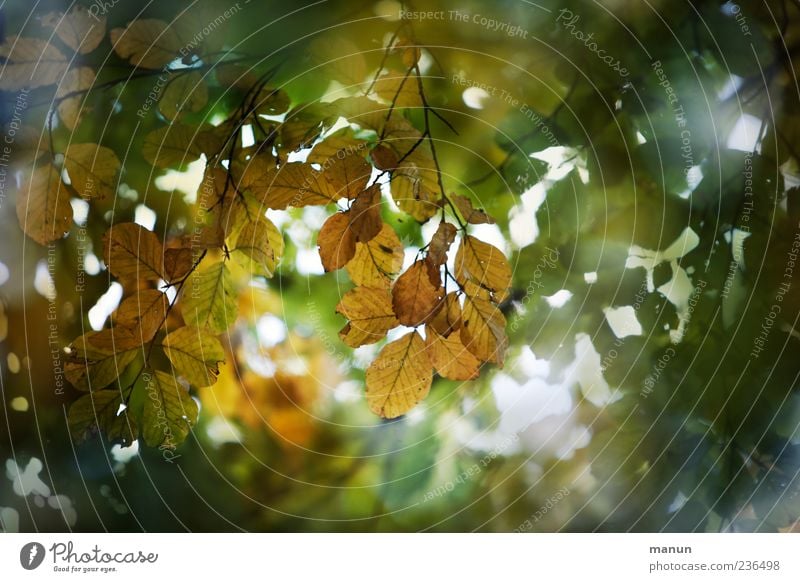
(196, 355)
(448, 318)
(400, 377)
(450, 358)
(437, 250)
(166, 411)
(399, 88)
(337, 244)
(179, 261)
(370, 315)
(412, 193)
(484, 265)
(261, 244)
(30, 62)
(72, 109)
(173, 145)
(147, 43)
(133, 252)
(468, 212)
(414, 297)
(377, 262)
(43, 207)
(100, 411)
(209, 298)
(303, 125)
(79, 29)
(184, 93)
(365, 215)
(136, 322)
(341, 57)
(483, 331)
(348, 176)
(294, 185)
(338, 145)
(92, 169)
(90, 368)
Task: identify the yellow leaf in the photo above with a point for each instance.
(450, 358)
(398, 88)
(414, 297)
(470, 214)
(400, 377)
(209, 298)
(30, 62)
(485, 265)
(370, 315)
(337, 244)
(195, 353)
(90, 368)
(377, 262)
(185, 93)
(43, 207)
(147, 43)
(484, 330)
(448, 318)
(78, 29)
(133, 252)
(337, 146)
(72, 109)
(294, 185)
(412, 192)
(261, 244)
(92, 169)
(348, 175)
(342, 57)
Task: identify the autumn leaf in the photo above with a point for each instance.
(184, 93)
(43, 207)
(165, 410)
(92, 169)
(483, 331)
(448, 318)
(304, 124)
(173, 146)
(30, 62)
(483, 264)
(195, 353)
(136, 321)
(400, 377)
(470, 214)
(413, 193)
(294, 184)
(78, 29)
(337, 243)
(348, 175)
(370, 315)
(178, 262)
(450, 357)
(365, 215)
(148, 43)
(91, 368)
(209, 298)
(338, 145)
(437, 250)
(100, 412)
(377, 262)
(261, 244)
(414, 297)
(72, 109)
(341, 57)
(133, 252)
(399, 88)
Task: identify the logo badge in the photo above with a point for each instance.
(31, 555)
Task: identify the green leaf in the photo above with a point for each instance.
(164, 409)
(195, 353)
(209, 298)
(100, 411)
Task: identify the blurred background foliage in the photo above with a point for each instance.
(649, 244)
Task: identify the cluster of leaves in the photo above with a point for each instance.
(180, 294)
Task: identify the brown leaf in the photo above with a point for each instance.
(399, 88)
(30, 62)
(437, 250)
(147, 43)
(377, 262)
(136, 322)
(133, 252)
(177, 263)
(468, 212)
(365, 214)
(400, 377)
(450, 358)
(448, 318)
(348, 175)
(294, 185)
(72, 109)
(337, 244)
(92, 169)
(79, 29)
(184, 93)
(369, 310)
(414, 297)
(43, 207)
